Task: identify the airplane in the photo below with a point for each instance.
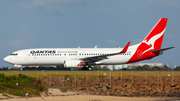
(87, 57)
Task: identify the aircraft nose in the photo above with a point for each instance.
(7, 59)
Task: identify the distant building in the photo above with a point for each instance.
(130, 66)
(110, 67)
(151, 65)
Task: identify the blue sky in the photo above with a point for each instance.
(86, 23)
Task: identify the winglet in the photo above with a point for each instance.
(125, 48)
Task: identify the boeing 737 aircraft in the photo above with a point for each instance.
(87, 57)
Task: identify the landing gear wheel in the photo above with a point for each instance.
(21, 69)
(90, 68)
(84, 68)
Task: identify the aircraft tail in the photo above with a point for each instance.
(152, 42)
(155, 36)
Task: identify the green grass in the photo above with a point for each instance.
(90, 73)
(5, 95)
(26, 83)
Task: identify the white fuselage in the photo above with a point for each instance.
(57, 56)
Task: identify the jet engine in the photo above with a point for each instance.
(73, 63)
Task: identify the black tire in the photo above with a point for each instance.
(84, 68)
(90, 68)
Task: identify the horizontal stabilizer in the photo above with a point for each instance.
(160, 50)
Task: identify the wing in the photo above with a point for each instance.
(101, 57)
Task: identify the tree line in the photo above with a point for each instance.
(95, 68)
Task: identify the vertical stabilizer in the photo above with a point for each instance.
(155, 36)
(152, 41)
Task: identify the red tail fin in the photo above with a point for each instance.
(151, 42)
(155, 36)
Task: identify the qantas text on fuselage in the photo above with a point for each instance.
(87, 57)
(43, 51)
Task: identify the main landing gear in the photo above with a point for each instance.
(89, 68)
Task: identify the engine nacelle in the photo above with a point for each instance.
(72, 63)
(18, 66)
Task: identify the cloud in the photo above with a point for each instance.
(111, 41)
(17, 43)
(22, 39)
(54, 6)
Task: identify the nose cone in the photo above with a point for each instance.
(7, 59)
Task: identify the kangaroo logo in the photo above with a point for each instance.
(152, 41)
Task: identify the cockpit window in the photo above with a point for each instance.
(14, 54)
